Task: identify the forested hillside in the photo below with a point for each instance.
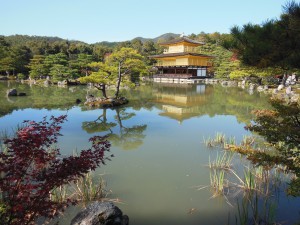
(37, 57)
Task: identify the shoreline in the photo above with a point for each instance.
(290, 93)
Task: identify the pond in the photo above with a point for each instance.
(160, 170)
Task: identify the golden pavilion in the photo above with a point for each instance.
(180, 61)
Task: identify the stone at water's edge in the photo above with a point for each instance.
(101, 213)
(47, 82)
(12, 92)
(3, 78)
(77, 101)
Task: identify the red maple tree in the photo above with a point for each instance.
(31, 167)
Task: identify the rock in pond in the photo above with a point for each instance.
(280, 87)
(22, 94)
(12, 92)
(47, 82)
(101, 213)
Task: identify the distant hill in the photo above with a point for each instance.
(163, 37)
(23, 39)
(142, 39)
(166, 37)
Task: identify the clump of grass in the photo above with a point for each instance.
(254, 210)
(219, 185)
(249, 182)
(223, 161)
(85, 189)
(258, 179)
(246, 183)
(217, 182)
(255, 181)
(228, 183)
(209, 142)
(231, 141)
(218, 140)
(260, 173)
(60, 194)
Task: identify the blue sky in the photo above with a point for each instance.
(120, 20)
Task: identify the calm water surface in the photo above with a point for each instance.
(160, 158)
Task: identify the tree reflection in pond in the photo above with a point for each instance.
(127, 138)
(98, 125)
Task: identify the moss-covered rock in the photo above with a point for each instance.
(106, 102)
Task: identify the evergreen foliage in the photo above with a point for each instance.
(118, 69)
(275, 43)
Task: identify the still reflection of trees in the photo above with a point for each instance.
(39, 97)
(99, 125)
(177, 101)
(126, 137)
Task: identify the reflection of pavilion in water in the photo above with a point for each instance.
(181, 101)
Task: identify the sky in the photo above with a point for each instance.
(93, 21)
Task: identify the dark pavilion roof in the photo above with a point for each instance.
(182, 39)
(179, 54)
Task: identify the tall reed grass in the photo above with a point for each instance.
(254, 210)
(254, 184)
(218, 182)
(222, 161)
(84, 190)
(88, 189)
(220, 140)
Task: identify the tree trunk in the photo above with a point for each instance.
(119, 81)
(103, 89)
(284, 78)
